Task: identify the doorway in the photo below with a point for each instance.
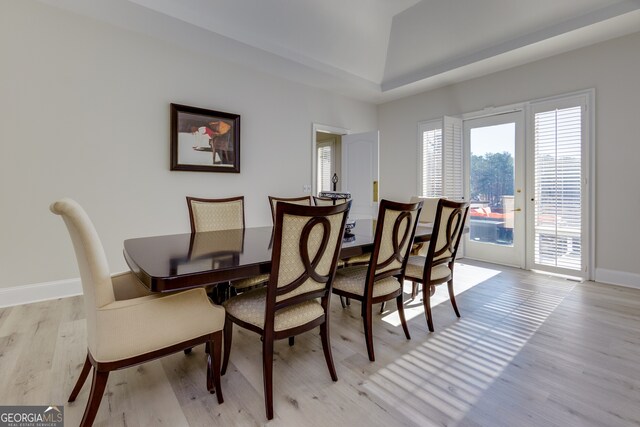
(495, 187)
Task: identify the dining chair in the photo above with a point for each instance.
(127, 332)
(437, 267)
(273, 201)
(306, 246)
(217, 215)
(381, 280)
(328, 201)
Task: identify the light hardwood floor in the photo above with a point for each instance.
(528, 350)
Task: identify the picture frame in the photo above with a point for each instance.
(204, 140)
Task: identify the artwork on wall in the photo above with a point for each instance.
(204, 140)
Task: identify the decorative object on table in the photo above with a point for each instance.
(349, 226)
(334, 181)
(335, 194)
(204, 140)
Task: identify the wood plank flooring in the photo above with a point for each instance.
(529, 350)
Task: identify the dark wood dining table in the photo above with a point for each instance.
(182, 261)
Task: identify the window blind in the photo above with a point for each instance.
(453, 184)
(432, 163)
(558, 188)
(324, 167)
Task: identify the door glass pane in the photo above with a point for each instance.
(491, 217)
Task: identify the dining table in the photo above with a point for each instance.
(175, 262)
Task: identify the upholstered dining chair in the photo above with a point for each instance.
(127, 332)
(328, 201)
(273, 201)
(306, 246)
(217, 215)
(381, 280)
(436, 267)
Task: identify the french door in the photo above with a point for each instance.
(495, 186)
(558, 217)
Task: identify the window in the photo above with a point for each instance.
(440, 159)
(325, 165)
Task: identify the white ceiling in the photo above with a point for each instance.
(375, 50)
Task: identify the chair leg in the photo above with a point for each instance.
(347, 301)
(426, 301)
(81, 379)
(342, 302)
(292, 341)
(228, 334)
(403, 320)
(414, 290)
(326, 348)
(187, 350)
(98, 384)
(368, 333)
(382, 306)
(267, 372)
(452, 297)
(213, 366)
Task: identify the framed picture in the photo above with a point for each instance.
(204, 140)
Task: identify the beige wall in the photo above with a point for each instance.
(612, 68)
(84, 113)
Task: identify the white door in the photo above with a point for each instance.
(495, 187)
(360, 173)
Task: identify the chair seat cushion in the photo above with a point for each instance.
(415, 269)
(250, 307)
(133, 327)
(250, 281)
(352, 280)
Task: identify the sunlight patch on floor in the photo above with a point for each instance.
(466, 277)
(440, 381)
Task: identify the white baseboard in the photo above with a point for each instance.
(26, 294)
(615, 277)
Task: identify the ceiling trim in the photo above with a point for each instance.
(569, 25)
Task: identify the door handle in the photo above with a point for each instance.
(375, 191)
(517, 210)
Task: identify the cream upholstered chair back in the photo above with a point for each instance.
(395, 230)
(92, 261)
(429, 207)
(307, 243)
(447, 232)
(327, 201)
(273, 201)
(216, 214)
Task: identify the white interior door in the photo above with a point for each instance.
(360, 172)
(495, 187)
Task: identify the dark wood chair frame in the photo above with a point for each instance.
(197, 199)
(367, 300)
(455, 225)
(101, 370)
(317, 215)
(286, 199)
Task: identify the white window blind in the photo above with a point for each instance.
(558, 186)
(453, 184)
(325, 167)
(440, 157)
(431, 161)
